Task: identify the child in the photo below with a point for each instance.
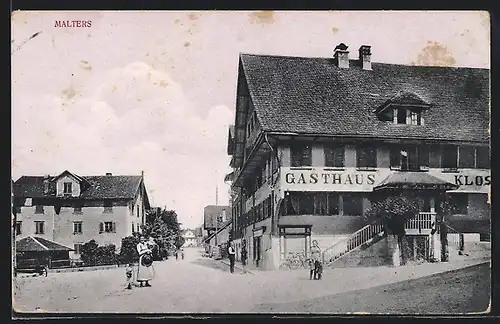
(129, 273)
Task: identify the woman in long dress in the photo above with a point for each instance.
(145, 268)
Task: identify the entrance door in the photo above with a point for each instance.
(257, 249)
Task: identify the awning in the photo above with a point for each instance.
(414, 180)
(38, 244)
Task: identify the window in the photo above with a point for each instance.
(408, 116)
(107, 227)
(434, 156)
(77, 227)
(450, 156)
(423, 156)
(401, 115)
(78, 248)
(77, 209)
(333, 203)
(353, 205)
(39, 209)
(466, 157)
(138, 211)
(39, 227)
(133, 228)
(108, 206)
(404, 158)
(483, 157)
(366, 157)
(459, 203)
(18, 227)
(68, 188)
(334, 156)
(301, 155)
(307, 203)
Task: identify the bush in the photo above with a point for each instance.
(89, 253)
(94, 255)
(128, 250)
(106, 255)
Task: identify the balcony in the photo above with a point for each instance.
(421, 225)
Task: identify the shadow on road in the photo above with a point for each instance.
(460, 291)
(210, 263)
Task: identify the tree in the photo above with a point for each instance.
(128, 250)
(394, 210)
(163, 226)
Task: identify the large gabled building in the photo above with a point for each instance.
(314, 138)
(72, 210)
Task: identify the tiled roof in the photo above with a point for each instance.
(98, 187)
(414, 180)
(211, 212)
(39, 244)
(314, 96)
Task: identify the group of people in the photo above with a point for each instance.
(145, 270)
(315, 262)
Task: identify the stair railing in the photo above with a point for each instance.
(357, 239)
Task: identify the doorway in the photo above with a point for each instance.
(257, 242)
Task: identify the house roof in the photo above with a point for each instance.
(39, 244)
(314, 96)
(414, 180)
(97, 187)
(211, 212)
(222, 227)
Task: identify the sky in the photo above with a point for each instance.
(155, 91)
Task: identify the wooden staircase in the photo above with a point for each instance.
(361, 237)
(420, 224)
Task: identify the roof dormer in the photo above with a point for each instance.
(69, 184)
(404, 108)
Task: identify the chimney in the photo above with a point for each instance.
(341, 56)
(365, 57)
(46, 184)
(109, 173)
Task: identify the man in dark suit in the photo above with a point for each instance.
(231, 254)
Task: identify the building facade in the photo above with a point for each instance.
(315, 138)
(72, 210)
(189, 238)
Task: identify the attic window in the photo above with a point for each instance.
(408, 116)
(404, 108)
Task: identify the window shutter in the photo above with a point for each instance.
(113, 227)
(101, 227)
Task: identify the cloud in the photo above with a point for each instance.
(135, 118)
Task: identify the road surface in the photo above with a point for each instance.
(199, 285)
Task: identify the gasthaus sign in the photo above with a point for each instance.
(325, 179)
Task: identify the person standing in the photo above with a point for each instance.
(231, 254)
(145, 268)
(316, 265)
(244, 255)
(128, 274)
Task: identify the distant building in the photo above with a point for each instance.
(189, 238)
(213, 212)
(71, 210)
